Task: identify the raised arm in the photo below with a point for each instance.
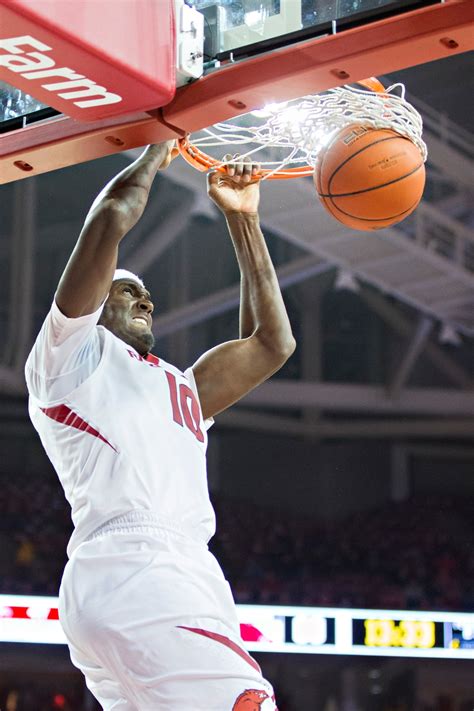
(87, 277)
(226, 373)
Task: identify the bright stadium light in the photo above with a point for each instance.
(269, 109)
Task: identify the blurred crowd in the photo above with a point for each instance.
(31, 694)
(35, 525)
(417, 554)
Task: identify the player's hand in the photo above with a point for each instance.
(237, 190)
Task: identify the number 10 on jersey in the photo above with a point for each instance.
(185, 407)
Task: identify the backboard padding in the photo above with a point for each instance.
(90, 60)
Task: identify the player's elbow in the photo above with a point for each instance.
(279, 349)
(288, 347)
(117, 215)
(124, 214)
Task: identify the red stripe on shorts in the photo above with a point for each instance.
(64, 415)
(226, 642)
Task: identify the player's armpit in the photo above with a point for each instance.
(229, 371)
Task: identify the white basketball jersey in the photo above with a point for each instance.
(124, 433)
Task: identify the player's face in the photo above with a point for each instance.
(127, 313)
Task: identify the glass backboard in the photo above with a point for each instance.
(17, 108)
(262, 24)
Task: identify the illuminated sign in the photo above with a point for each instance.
(398, 633)
(281, 629)
(287, 629)
(460, 635)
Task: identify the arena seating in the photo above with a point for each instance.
(411, 555)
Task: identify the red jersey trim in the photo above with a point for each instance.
(226, 642)
(152, 359)
(65, 416)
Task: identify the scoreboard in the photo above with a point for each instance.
(397, 633)
(301, 630)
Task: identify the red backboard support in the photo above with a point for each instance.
(90, 60)
(313, 66)
(381, 47)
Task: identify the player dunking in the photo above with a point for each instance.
(147, 612)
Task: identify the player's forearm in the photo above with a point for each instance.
(262, 310)
(127, 193)
(86, 280)
(247, 323)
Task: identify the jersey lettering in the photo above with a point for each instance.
(150, 360)
(184, 405)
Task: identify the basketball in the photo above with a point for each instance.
(369, 178)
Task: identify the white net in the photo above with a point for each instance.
(292, 134)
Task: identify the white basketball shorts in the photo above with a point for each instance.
(151, 622)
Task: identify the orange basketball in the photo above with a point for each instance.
(369, 178)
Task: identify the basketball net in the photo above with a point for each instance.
(285, 138)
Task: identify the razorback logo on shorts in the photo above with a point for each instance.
(250, 700)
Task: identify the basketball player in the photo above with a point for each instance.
(147, 612)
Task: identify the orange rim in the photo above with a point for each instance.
(203, 162)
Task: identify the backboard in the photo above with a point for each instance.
(247, 27)
(254, 53)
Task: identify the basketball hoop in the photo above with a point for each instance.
(290, 135)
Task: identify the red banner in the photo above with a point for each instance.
(90, 60)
